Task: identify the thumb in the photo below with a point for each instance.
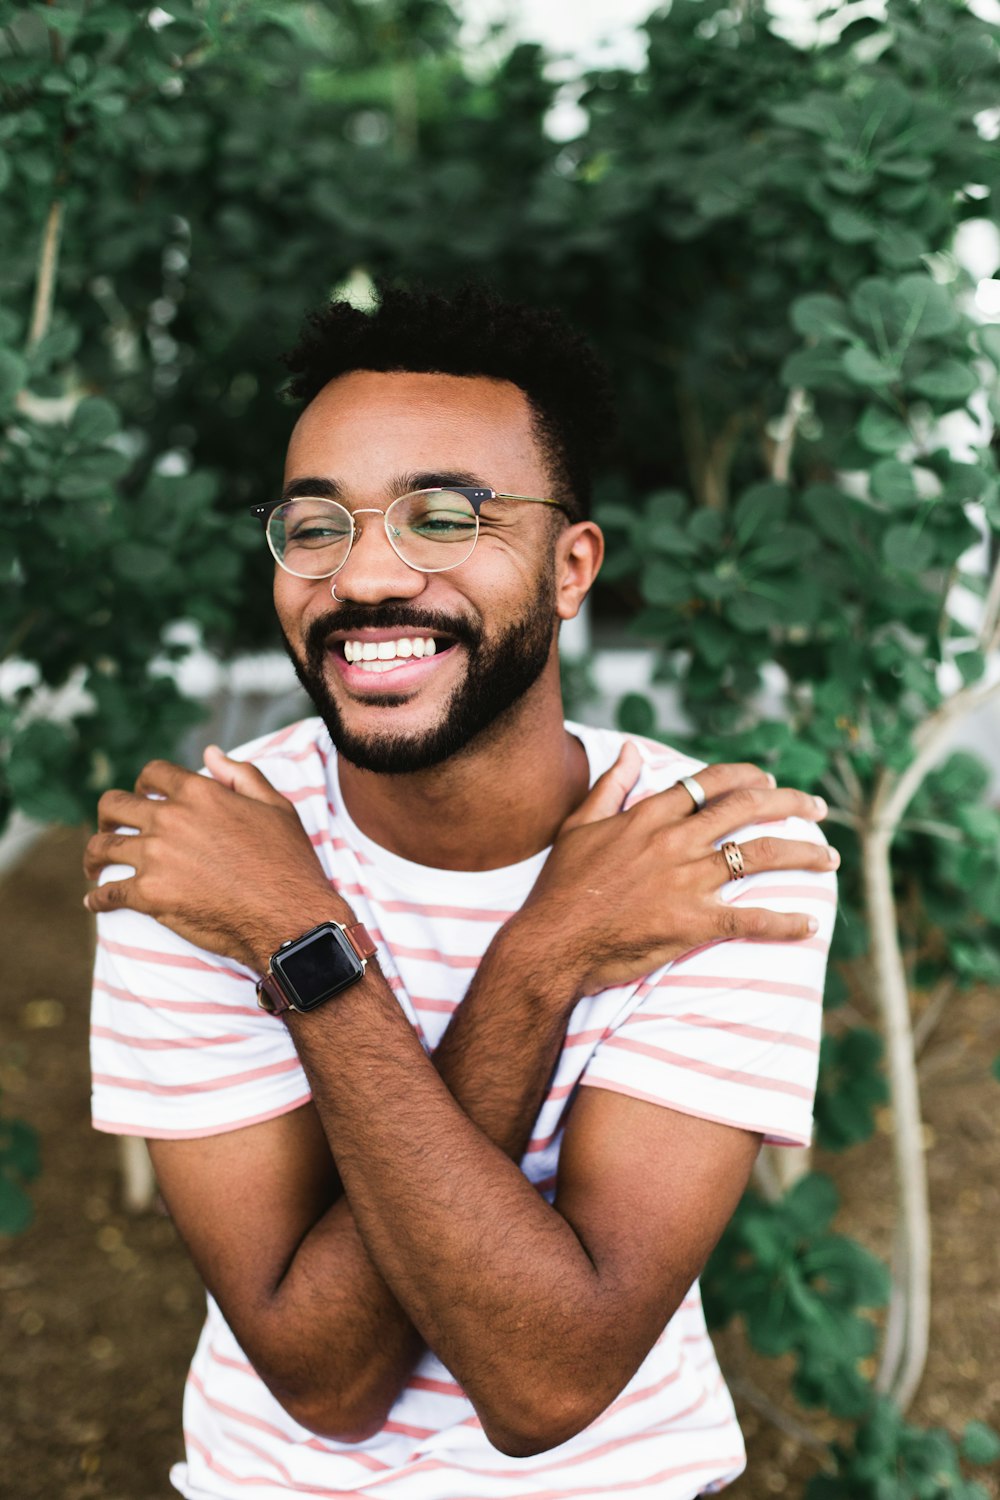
(239, 776)
(609, 791)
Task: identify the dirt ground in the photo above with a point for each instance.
(99, 1311)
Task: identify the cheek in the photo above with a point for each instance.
(297, 601)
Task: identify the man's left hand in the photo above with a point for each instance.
(224, 863)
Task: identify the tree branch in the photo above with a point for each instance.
(989, 630)
(45, 285)
(781, 459)
(907, 1329)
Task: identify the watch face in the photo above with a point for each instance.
(316, 966)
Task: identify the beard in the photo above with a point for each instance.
(499, 672)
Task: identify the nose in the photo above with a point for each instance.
(373, 572)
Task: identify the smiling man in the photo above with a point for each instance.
(454, 1028)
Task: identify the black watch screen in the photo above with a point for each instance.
(317, 966)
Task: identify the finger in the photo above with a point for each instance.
(777, 854)
(715, 781)
(111, 897)
(609, 791)
(162, 778)
(749, 805)
(105, 849)
(240, 776)
(118, 809)
(758, 925)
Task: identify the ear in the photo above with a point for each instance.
(579, 554)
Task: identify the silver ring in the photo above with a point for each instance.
(695, 791)
(734, 859)
(333, 591)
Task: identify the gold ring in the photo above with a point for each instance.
(734, 859)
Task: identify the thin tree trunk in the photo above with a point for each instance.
(907, 1331)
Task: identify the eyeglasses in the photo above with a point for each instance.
(431, 530)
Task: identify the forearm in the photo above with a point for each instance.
(476, 1257)
(345, 1346)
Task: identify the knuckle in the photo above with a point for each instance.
(730, 923)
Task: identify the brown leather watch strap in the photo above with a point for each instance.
(361, 940)
(267, 985)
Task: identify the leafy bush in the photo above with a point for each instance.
(760, 238)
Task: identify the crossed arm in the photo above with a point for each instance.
(541, 1312)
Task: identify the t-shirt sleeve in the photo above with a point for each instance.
(179, 1047)
(731, 1031)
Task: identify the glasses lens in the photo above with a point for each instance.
(432, 529)
(310, 538)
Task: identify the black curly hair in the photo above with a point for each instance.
(473, 332)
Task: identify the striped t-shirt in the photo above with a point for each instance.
(729, 1032)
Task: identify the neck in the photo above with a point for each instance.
(498, 802)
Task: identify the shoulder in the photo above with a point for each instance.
(290, 758)
(662, 764)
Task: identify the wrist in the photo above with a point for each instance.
(532, 954)
(295, 916)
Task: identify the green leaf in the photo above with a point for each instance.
(16, 1211)
(751, 614)
(865, 368)
(907, 550)
(850, 227)
(663, 583)
(762, 507)
(93, 422)
(980, 1444)
(140, 561)
(13, 373)
(636, 715)
(906, 168)
(950, 381)
(996, 1067)
(971, 664)
(811, 1203)
(899, 247)
(821, 316)
(931, 308)
(893, 483)
(19, 1148)
(881, 432)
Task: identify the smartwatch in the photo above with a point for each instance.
(307, 971)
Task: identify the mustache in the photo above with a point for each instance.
(388, 617)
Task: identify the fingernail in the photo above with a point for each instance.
(821, 806)
(86, 902)
(813, 924)
(771, 780)
(833, 857)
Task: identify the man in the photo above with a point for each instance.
(451, 1182)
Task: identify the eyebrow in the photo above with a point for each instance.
(402, 484)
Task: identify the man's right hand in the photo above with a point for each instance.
(624, 892)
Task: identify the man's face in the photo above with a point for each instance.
(492, 619)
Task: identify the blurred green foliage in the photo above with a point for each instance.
(758, 238)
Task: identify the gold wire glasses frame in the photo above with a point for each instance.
(430, 530)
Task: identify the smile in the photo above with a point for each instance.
(380, 655)
(399, 656)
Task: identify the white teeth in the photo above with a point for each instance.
(380, 655)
